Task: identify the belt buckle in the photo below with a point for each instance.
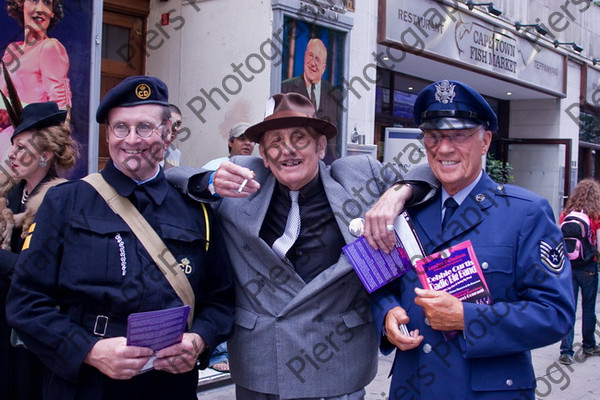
(100, 325)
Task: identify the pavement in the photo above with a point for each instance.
(555, 381)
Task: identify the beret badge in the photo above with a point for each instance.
(142, 91)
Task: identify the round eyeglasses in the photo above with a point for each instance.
(143, 129)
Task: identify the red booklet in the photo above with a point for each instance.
(455, 270)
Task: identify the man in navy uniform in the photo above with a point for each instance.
(518, 246)
(82, 264)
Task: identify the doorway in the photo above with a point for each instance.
(123, 48)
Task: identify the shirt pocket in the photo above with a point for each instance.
(182, 234)
(245, 318)
(189, 246)
(95, 256)
(498, 267)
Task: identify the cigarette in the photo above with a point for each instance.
(403, 329)
(242, 185)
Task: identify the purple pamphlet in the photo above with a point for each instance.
(157, 329)
(374, 267)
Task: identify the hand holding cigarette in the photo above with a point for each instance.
(232, 180)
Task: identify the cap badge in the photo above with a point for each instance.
(444, 92)
(142, 91)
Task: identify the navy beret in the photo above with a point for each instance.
(452, 105)
(133, 91)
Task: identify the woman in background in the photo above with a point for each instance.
(586, 198)
(42, 147)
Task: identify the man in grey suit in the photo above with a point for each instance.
(304, 327)
(321, 93)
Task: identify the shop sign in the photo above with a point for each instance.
(430, 28)
(592, 86)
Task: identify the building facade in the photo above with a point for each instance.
(534, 61)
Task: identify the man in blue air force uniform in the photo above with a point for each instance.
(518, 246)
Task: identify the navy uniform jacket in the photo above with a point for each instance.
(70, 271)
(519, 248)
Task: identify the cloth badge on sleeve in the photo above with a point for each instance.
(553, 258)
(27, 240)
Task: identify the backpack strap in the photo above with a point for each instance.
(159, 252)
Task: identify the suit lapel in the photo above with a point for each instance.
(301, 87)
(255, 208)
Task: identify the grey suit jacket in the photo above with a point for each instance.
(291, 338)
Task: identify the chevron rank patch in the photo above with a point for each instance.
(553, 258)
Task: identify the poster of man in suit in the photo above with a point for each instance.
(313, 67)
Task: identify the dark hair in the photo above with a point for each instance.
(174, 108)
(165, 113)
(14, 8)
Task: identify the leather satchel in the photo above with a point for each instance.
(159, 252)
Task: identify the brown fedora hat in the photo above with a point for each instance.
(290, 110)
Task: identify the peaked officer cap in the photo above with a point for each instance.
(453, 105)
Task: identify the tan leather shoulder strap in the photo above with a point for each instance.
(159, 252)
